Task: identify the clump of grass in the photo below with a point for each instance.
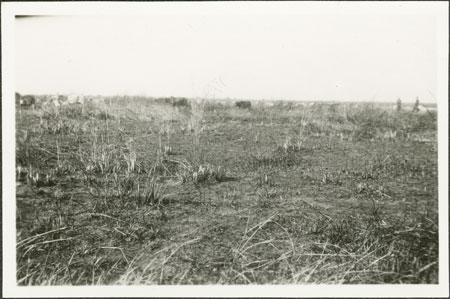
(276, 159)
(251, 256)
(290, 145)
(149, 193)
(358, 248)
(203, 173)
(195, 124)
(102, 158)
(372, 190)
(28, 149)
(164, 165)
(196, 127)
(35, 177)
(332, 178)
(392, 250)
(130, 159)
(165, 130)
(265, 179)
(153, 269)
(267, 196)
(393, 165)
(168, 150)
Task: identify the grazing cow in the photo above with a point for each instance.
(18, 98)
(168, 100)
(182, 102)
(28, 101)
(243, 104)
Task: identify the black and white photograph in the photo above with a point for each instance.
(225, 149)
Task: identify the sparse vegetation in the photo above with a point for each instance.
(171, 191)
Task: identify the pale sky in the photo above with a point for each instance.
(291, 55)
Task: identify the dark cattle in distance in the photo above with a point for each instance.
(182, 102)
(244, 104)
(166, 100)
(28, 101)
(18, 98)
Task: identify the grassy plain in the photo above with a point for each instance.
(137, 191)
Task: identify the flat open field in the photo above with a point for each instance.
(138, 191)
